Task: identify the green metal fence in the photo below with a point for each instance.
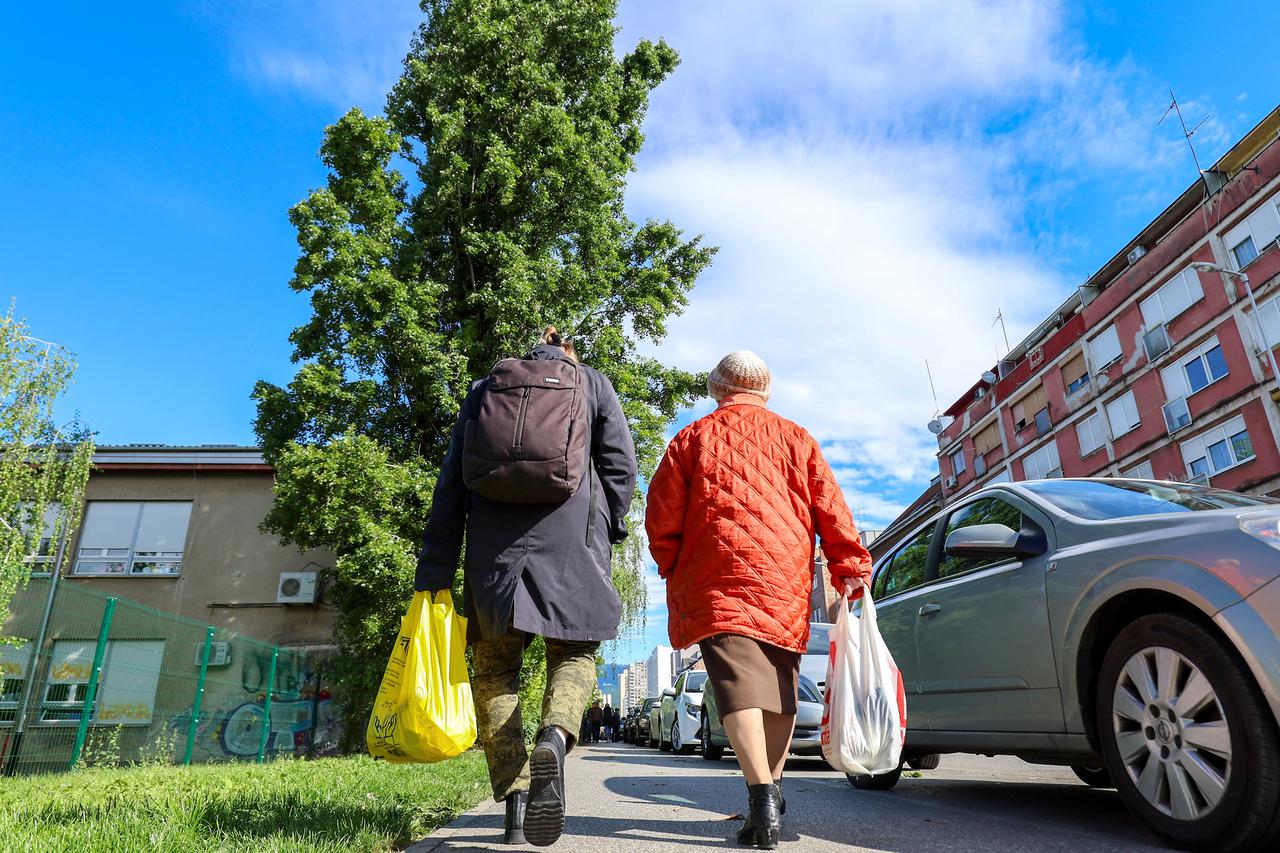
(97, 680)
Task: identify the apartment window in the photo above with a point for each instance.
(1122, 414)
(1252, 237)
(1176, 414)
(979, 465)
(1043, 463)
(1043, 423)
(126, 692)
(1091, 434)
(133, 538)
(1269, 320)
(957, 463)
(1218, 449)
(1141, 471)
(14, 661)
(1105, 348)
(1174, 297)
(986, 440)
(1195, 371)
(1075, 373)
(41, 548)
(1028, 411)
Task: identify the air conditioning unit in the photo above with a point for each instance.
(1136, 254)
(219, 654)
(296, 588)
(950, 482)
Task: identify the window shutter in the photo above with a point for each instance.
(987, 439)
(1074, 369)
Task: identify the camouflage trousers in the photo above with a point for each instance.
(571, 679)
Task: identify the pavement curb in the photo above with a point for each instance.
(433, 841)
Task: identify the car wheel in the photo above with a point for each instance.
(678, 745)
(928, 761)
(879, 782)
(1188, 738)
(710, 752)
(1094, 777)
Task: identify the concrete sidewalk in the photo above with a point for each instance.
(626, 798)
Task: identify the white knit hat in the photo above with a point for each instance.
(741, 372)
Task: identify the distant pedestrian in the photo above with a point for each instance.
(595, 719)
(538, 479)
(732, 515)
(615, 724)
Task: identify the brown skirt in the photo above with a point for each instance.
(747, 673)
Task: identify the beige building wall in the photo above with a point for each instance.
(230, 568)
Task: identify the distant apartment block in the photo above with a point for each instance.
(1152, 368)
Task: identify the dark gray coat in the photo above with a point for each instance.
(543, 567)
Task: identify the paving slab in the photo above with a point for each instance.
(628, 798)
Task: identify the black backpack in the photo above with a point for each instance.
(529, 443)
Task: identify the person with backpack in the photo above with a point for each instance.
(538, 480)
(733, 513)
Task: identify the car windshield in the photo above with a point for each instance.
(1104, 500)
(819, 640)
(809, 692)
(693, 682)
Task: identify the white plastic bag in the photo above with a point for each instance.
(864, 720)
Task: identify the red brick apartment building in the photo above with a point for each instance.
(1151, 368)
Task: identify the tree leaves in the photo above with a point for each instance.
(485, 205)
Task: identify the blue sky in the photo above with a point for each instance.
(882, 176)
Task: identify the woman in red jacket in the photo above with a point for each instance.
(732, 516)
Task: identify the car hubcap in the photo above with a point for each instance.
(1171, 733)
(675, 736)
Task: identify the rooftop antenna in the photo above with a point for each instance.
(932, 390)
(1175, 108)
(1003, 330)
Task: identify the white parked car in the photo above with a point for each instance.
(813, 663)
(680, 715)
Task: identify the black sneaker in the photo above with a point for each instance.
(514, 825)
(544, 818)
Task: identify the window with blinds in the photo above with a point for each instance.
(1075, 373)
(987, 439)
(1028, 409)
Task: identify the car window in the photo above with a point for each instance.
(985, 511)
(819, 640)
(906, 567)
(808, 693)
(694, 681)
(1099, 500)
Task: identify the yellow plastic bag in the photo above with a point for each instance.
(424, 711)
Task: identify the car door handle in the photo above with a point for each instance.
(931, 610)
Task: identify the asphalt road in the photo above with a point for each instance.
(632, 799)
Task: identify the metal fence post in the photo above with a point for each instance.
(198, 701)
(266, 705)
(91, 689)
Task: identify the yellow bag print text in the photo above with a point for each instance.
(424, 711)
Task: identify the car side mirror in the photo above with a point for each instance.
(991, 541)
(670, 691)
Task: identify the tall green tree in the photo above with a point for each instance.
(44, 466)
(486, 204)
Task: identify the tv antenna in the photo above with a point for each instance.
(1000, 319)
(1175, 108)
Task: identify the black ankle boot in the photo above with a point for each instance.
(782, 801)
(764, 818)
(514, 825)
(544, 820)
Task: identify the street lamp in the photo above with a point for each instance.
(1205, 266)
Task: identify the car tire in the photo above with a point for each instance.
(1190, 680)
(710, 752)
(678, 746)
(928, 761)
(879, 782)
(1094, 777)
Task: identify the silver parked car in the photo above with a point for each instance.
(1127, 628)
(806, 738)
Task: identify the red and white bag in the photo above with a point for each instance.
(864, 722)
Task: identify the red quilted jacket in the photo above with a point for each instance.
(732, 514)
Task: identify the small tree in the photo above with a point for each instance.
(518, 125)
(43, 467)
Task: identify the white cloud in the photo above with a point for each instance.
(881, 178)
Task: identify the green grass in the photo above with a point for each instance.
(335, 804)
